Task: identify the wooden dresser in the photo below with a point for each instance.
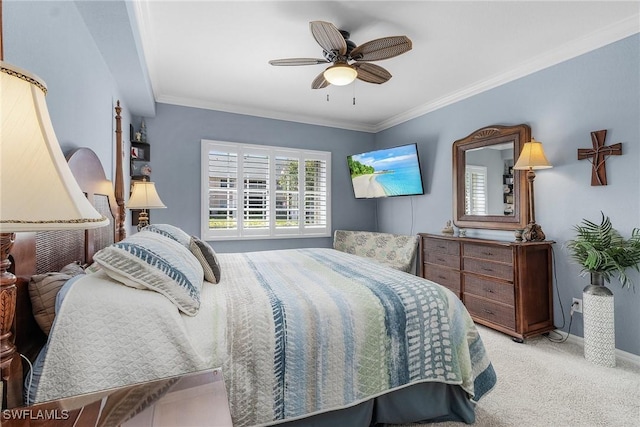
(506, 286)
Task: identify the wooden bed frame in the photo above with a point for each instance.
(41, 252)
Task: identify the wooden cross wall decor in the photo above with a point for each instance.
(598, 156)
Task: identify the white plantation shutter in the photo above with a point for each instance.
(475, 190)
(315, 193)
(255, 191)
(287, 192)
(279, 192)
(222, 181)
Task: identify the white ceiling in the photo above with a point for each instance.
(214, 54)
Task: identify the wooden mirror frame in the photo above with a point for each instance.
(487, 136)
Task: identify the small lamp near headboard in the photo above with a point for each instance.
(144, 196)
(37, 191)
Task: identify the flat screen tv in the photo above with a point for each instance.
(388, 172)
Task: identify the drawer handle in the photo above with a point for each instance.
(440, 259)
(487, 253)
(487, 269)
(442, 277)
(442, 247)
(489, 290)
(488, 311)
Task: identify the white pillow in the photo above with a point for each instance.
(149, 260)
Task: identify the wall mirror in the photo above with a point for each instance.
(487, 191)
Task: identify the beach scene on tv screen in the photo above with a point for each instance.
(384, 173)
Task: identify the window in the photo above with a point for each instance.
(257, 191)
(475, 187)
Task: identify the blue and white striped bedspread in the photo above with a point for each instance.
(310, 330)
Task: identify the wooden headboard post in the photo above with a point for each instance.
(119, 180)
(10, 363)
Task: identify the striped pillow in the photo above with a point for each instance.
(208, 259)
(150, 260)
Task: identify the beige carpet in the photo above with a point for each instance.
(541, 383)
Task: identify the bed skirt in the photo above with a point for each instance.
(424, 402)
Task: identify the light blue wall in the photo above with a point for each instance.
(175, 134)
(562, 104)
(51, 40)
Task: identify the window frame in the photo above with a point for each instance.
(272, 231)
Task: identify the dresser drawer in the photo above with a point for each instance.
(444, 276)
(495, 291)
(451, 261)
(491, 311)
(487, 268)
(441, 246)
(491, 253)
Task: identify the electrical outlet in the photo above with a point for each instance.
(577, 305)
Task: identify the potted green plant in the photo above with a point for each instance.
(604, 253)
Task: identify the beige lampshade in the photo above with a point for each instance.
(37, 189)
(340, 74)
(144, 196)
(532, 157)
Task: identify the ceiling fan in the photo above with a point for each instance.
(349, 61)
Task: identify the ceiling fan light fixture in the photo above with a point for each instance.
(340, 74)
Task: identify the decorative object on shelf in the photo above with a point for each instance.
(143, 132)
(598, 156)
(518, 235)
(38, 190)
(603, 253)
(531, 158)
(140, 168)
(462, 232)
(144, 196)
(448, 229)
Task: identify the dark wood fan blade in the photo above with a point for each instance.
(384, 48)
(297, 61)
(371, 73)
(328, 36)
(319, 82)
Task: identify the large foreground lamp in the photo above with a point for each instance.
(531, 158)
(340, 74)
(144, 196)
(37, 190)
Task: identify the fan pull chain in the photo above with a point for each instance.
(327, 97)
(354, 92)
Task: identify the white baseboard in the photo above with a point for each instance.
(621, 355)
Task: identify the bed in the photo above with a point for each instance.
(302, 336)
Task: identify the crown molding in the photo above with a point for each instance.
(261, 113)
(610, 34)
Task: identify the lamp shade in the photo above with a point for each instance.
(144, 196)
(532, 157)
(37, 189)
(340, 74)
